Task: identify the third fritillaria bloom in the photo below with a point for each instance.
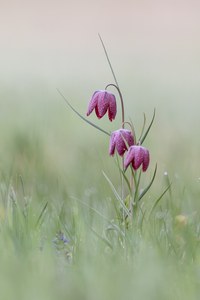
(137, 156)
(119, 140)
(103, 101)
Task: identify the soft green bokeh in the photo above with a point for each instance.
(52, 163)
(48, 155)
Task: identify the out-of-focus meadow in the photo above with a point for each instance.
(51, 162)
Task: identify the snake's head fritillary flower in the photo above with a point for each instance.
(137, 156)
(103, 101)
(119, 140)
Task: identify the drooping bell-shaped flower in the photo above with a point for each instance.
(119, 140)
(137, 156)
(103, 101)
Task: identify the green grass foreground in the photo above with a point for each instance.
(60, 235)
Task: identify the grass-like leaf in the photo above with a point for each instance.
(150, 184)
(147, 131)
(122, 174)
(137, 184)
(108, 60)
(42, 213)
(126, 179)
(117, 195)
(143, 126)
(159, 198)
(84, 119)
(99, 214)
(102, 238)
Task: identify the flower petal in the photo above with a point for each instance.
(112, 108)
(97, 112)
(102, 103)
(129, 157)
(92, 103)
(120, 144)
(112, 144)
(127, 134)
(138, 157)
(146, 160)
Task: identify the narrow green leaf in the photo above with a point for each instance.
(84, 119)
(133, 130)
(102, 238)
(98, 213)
(147, 131)
(159, 198)
(122, 174)
(137, 187)
(126, 179)
(108, 60)
(42, 213)
(118, 165)
(150, 184)
(143, 217)
(117, 195)
(143, 126)
(134, 176)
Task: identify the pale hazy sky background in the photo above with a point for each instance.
(154, 47)
(44, 38)
(155, 50)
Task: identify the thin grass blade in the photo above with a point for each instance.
(117, 195)
(102, 238)
(122, 174)
(147, 131)
(137, 187)
(108, 60)
(158, 200)
(150, 184)
(143, 126)
(99, 214)
(42, 213)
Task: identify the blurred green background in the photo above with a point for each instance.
(54, 156)
(154, 48)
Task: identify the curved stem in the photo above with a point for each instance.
(132, 129)
(121, 99)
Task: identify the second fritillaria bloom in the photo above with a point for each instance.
(137, 156)
(119, 140)
(103, 101)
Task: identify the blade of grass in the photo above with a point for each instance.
(108, 60)
(98, 213)
(158, 200)
(143, 126)
(122, 173)
(137, 188)
(117, 195)
(147, 131)
(150, 184)
(102, 238)
(42, 213)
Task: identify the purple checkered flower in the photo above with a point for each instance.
(103, 101)
(119, 140)
(137, 156)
